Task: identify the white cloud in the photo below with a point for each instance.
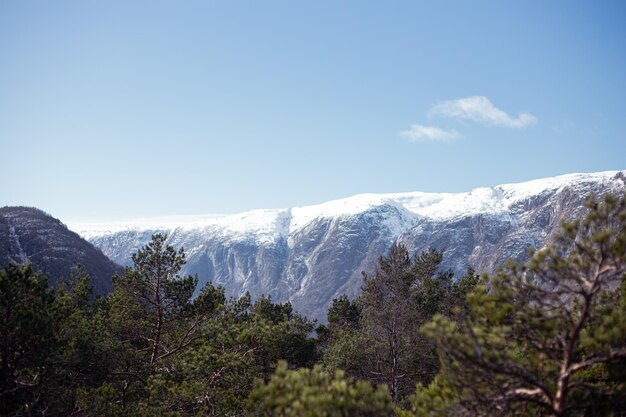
(480, 109)
(419, 133)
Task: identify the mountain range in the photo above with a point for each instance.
(310, 255)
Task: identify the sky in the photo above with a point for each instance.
(118, 109)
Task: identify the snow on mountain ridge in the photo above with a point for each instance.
(313, 254)
(268, 225)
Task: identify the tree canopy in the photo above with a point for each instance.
(546, 338)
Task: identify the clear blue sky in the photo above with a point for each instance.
(114, 109)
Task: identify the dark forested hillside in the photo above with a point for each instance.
(30, 235)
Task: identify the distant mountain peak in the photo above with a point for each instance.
(311, 254)
(481, 200)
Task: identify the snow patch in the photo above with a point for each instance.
(22, 258)
(270, 225)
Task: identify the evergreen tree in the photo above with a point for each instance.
(26, 340)
(343, 340)
(317, 393)
(402, 295)
(276, 333)
(78, 351)
(214, 377)
(343, 314)
(151, 318)
(547, 338)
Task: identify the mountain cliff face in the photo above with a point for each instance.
(30, 235)
(309, 255)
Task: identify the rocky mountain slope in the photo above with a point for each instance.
(30, 235)
(309, 255)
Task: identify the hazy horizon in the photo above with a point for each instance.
(96, 224)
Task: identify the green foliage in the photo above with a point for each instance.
(343, 322)
(151, 318)
(376, 336)
(208, 381)
(171, 355)
(78, 346)
(264, 309)
(317, 393)
(543, 339)
(348, 351)
(210, 301)
(147, 349)
(152, 304)
(343, 314)
(26, 338)
(435, 400)
(49, 344)
(275, 332)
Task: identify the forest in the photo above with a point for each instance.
(544, 338)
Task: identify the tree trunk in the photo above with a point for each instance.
(159, 322)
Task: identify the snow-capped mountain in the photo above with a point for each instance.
(309, 255)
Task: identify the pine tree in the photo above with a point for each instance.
(343, 341)
(403, 294)
(151, 317)
(545, 338)
(317, 393)
(26, 339)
